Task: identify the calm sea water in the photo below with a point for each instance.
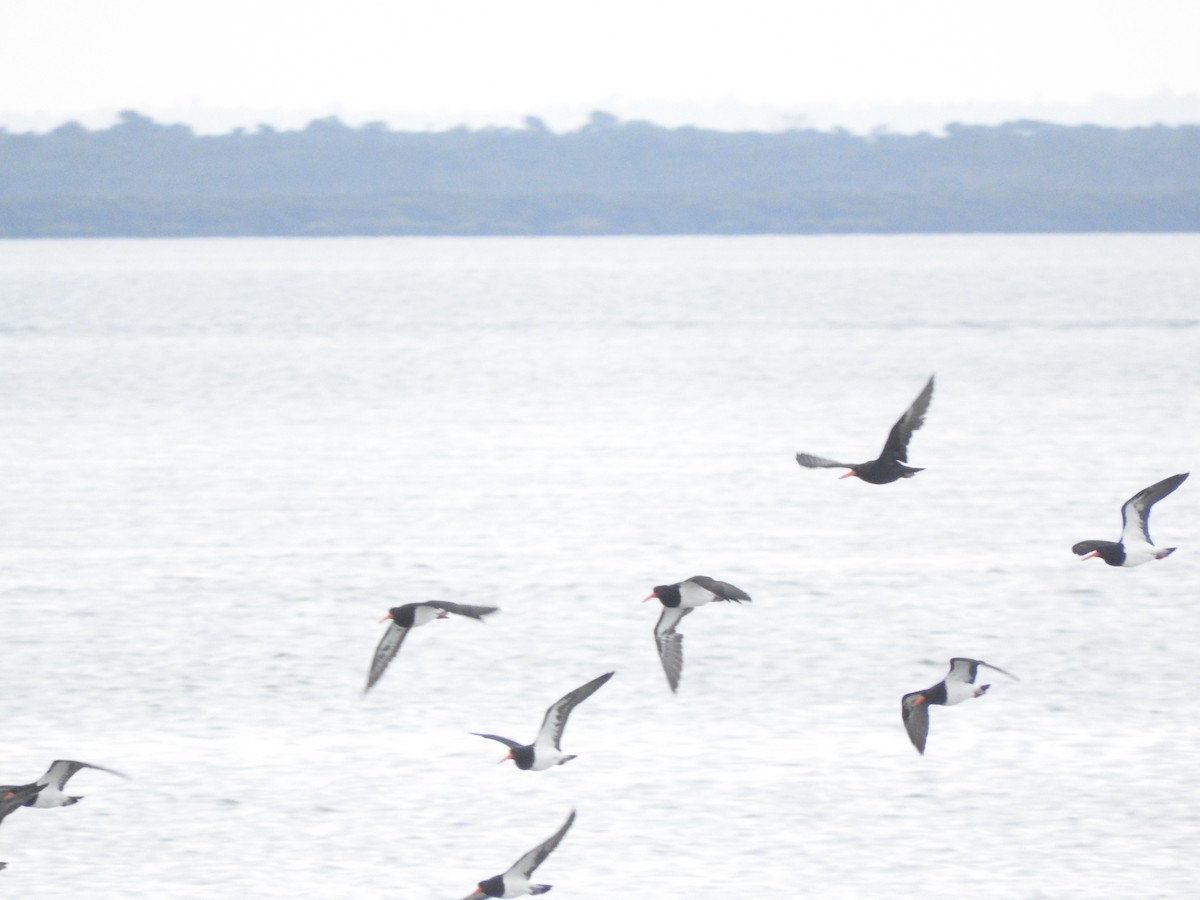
(222, 461)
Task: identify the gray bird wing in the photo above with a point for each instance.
(916, 719)
(998, 669)
(389, 646)
(61, 770)
(508, 742)
(462, 609)
(896, 446)
(670, 643)
(819, 462)
(1135, 512)
(555, 721)
(722, 589)
(535, 857)
(13, 797)
(964, 669)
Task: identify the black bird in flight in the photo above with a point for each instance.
(892, 463)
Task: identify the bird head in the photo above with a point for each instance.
(667, 594)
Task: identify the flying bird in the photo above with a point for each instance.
(957, 686)
(1135, 546)
(51, 784)
(678, 600)
(515, 882)
(13, 798)
(409, 616)
(892, 463)
(545, 751)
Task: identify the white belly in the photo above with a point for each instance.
(692, 595)
(958, 691)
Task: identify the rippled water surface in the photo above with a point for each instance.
(222, 461)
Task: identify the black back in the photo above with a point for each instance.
(883, 471)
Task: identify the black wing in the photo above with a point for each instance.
(1135, 512)
(819, 462)
(389, 646)
(722, 589)
(462, 609)
(1083, 548)
(914, 417)
(556, 716)
(510, 744)
(535, 857)
(916, 718)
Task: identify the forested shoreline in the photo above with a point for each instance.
(142, 178)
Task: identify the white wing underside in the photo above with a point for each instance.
(670, 643)
(524, 867)
(964, 670)
(550, 734)
(1135, 522)
(389, 646)
(1135, 512)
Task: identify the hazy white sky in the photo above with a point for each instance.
(487, 60)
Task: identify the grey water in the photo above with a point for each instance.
(222, 461)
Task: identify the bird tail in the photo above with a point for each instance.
(909, 471)
(1164, 553)
(71, 801)
(539, 888)
(981, 690)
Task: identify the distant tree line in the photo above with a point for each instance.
(142, 178)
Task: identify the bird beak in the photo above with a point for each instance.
(850, 474)
(920, 699)
(385, 618)
(506, 759)
(651, 597)
(1090, 555)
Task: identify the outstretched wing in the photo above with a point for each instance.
(915, 712)
(1135, 512)
(462, 609)
(723, 589)
(964, 669)
(670, 643)
(896, 446)
(535, 857)
(555, 721)
(1083, 548)
(62, 769)
(14, 797)
(819, 462)
(389, 646)
(510, 744)
(998, 669)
